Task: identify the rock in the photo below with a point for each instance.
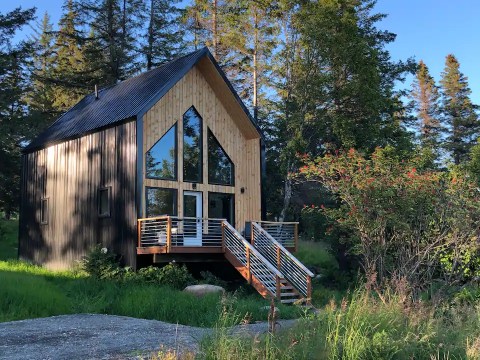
(203, 289)
(267, 308)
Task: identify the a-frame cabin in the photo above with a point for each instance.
(168, 163)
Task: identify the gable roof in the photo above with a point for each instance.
(127, 99)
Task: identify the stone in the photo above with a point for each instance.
(203, 289)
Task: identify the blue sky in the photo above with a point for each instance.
(426, 29)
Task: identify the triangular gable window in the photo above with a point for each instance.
(220, 167)
(161, 159)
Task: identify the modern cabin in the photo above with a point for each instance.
(168, 164)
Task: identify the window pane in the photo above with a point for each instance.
(44, 211)
(192, 146)
(220, 167)
(104, 202)
(161, 158)
(161, 201)
(221, 206)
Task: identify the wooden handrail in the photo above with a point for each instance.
(278, 222)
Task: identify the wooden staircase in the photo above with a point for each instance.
(271, 269)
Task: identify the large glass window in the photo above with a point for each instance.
(220, 167)
(161, 159)
(192, 146)
(104, 201)
(161, 201)
(221, 206)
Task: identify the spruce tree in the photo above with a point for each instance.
(72, 72)
(458, 111)
(164, 38)
(425, 101)
(13, 85)
(42, 96)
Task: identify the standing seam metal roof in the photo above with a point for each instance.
(121, 101)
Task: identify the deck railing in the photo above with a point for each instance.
(255, 263)
(286, 233)
(294, 271)
(171, 231)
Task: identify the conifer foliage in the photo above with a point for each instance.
(458, 111)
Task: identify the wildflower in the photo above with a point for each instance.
(104, 250)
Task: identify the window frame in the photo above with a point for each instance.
(175, 175)
(44, 212)
(106, 214)
(228, 157)
(175, 199)
(200, 181)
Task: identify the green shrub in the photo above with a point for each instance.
(102, 264)
(173, 275)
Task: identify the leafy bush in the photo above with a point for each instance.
(102, 264)
(173, 275)
(405, 222)
(209, 278)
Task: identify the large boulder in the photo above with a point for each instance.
(203, 289)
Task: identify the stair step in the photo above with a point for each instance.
(288, 301)
(285, 287)
(288, 294)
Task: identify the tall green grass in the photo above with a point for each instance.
(363, 328)
(29, 291)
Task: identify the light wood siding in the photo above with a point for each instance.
(69, 174)
(234, 135)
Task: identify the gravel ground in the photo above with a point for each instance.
(91, 336)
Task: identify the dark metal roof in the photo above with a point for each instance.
(122, 101)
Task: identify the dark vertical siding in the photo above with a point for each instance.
(69, 175)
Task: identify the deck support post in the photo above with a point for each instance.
(169, 234)
(309, 290)
(278, 291)
(252, 237)
(249, 273)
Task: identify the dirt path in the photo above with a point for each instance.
(90, 336)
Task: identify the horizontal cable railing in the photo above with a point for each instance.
(286, 233)
(294, 271)
(252, 260)
(174, 231)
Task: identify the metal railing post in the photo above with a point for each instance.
(249, 273)
(309, 289)
(169, 234)
(139, 230)
(295, 236)
(223, 236)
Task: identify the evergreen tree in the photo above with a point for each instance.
(116, 26)
(13, 86)
(458, 111)
(41, 99)
(340, 91)
(71, 74)
(164, 39)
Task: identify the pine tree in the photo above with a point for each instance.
(164, 38)
(41, 99)
(72, 73)
(116, 26)
(425, 101)
(13, 86)
(458, 111)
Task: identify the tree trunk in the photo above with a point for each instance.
(255, 65)
(287, 197)
(214, 30)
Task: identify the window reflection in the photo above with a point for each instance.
(192, 146)
(161, 201)
(220, 167)
(161, 159)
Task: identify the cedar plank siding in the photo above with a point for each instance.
(69, 174)
(236, 135)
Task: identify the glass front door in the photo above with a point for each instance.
(192, 213)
